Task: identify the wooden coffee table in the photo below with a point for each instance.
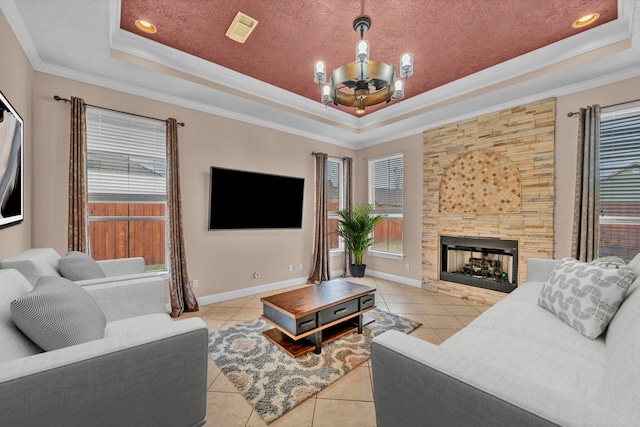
(307, 318)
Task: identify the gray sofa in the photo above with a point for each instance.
(148, 370)
(138, 291)
(517, 364)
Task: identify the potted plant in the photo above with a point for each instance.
(355, 227)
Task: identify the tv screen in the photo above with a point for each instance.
(252, 200)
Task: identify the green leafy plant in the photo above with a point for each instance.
(354, 226)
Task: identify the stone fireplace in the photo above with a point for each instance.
(491, 176)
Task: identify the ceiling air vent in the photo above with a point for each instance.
(241, 27)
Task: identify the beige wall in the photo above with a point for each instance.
(411, 148)
(566, 150)
(225, 261)
(16, 78)
(222, 261)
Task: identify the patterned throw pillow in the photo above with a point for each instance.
(585, 296)
(608, 262)
(58, 313)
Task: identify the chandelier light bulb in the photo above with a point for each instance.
(406, 65)
(326, 94)
(398, 89)
(320, 72)
(362, 51)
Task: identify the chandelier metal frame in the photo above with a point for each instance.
(365, 82)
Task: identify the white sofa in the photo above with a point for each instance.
(138, 291)
(517, 364)
(148, 370)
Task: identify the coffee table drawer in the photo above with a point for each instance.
(294, 326)
(336, 312)
(367, 301)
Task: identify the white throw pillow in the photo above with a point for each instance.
(585, 296)
(58, 313)
(608, 262)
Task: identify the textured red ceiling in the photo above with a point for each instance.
(449, 39)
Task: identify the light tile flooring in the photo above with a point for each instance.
(441, 316)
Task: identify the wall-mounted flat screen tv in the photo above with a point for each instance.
(251, 200)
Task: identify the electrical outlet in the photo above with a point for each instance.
(195, 283)
(300, 266)
(290, 267)
(406, 266)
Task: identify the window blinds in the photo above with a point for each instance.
(620, 158)
(386, 182)
(126, 157)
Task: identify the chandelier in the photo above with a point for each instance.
(365, 82)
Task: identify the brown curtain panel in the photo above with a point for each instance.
(182, 296)
(77, 230)
(586, 233)
(347, 165)
(320, 271)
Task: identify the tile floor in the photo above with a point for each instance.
(441, 316)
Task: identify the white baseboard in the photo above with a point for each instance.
(240, 293)
(225, 296)
(393, 278)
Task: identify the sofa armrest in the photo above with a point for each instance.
(539, 269)
(152, 379)
(129, 298)
(415, 381)
(122, 267)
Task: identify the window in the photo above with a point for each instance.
(619, 193)
(126, 180)
(335, 201)
(386, 183)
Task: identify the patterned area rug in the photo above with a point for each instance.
(274, 383)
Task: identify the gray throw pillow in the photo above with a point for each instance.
(585, 296)
(79, 266)
(58, 313)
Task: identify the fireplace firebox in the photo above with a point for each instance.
(478, 261)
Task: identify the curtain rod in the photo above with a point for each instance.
(606, 106)
(58, 98)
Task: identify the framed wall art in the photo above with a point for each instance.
(11, 164)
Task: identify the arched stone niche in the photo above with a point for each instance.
(482, 181)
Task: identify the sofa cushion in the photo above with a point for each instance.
(585, 296)
(519, 315)
(34, 263)
(79, 266)
(541, 364)
(15, 344)
(58, 313)
(634, 265)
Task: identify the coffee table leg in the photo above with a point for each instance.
(317, 340)
(360, 324)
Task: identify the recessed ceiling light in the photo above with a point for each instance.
(146, 26)
(586, 20)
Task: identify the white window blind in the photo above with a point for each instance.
(126, 157)
(335, 201)
(386, 194)
(386, 183)
(619, 190)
